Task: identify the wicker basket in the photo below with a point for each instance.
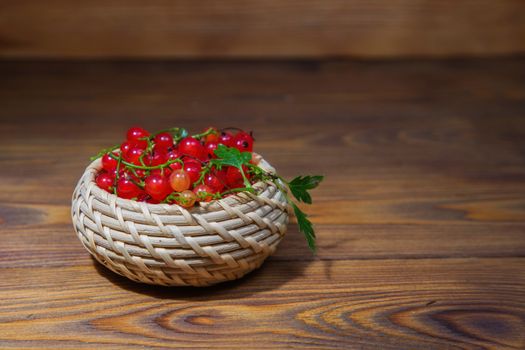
(169, 245)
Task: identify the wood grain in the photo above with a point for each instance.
(456, 303)
(284, 28)
(421, 220)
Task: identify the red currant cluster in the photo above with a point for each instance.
(172, 167)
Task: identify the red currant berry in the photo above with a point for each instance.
(143, 197)
(133, 155)
(234, 177)
(125, 147)
(214, 182)
(210, 148)
(243, 142)
(174, 154)
(136, 136)
(137, 175)
(163, 140)
(213, 137)
(193, 168)
(157, 186)
(105, 181)
(109, 163)
(175, 166)
(179, 180)
(158, 157)
(121, 172)
(192, 147)
(164, 172)
(187, 199)
(204, 193)
(141, 173)
(221, 175)
(127, 189)
(226, 139)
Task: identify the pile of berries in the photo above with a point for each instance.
(172, 167)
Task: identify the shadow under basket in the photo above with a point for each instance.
(168, 245)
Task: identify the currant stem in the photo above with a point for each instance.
(231, 128)
(205, 133)
(138, 183)
(104, 151)
(134, 172)
(176, 196)
(177, 133)
(144, 167)
(115, 184)
(246, 181)
(203, 173)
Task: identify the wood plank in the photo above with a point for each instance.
(57, 246)
(420, 222)
(285, 28)
(432, 304)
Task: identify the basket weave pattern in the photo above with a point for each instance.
(169, 245)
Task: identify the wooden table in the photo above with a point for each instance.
(420, 222)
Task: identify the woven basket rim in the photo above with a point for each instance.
(238, 196)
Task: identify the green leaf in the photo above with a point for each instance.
(301, 184)
(231, 156)
(305, 226)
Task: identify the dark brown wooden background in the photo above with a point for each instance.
(253, 29)
(420, 222)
